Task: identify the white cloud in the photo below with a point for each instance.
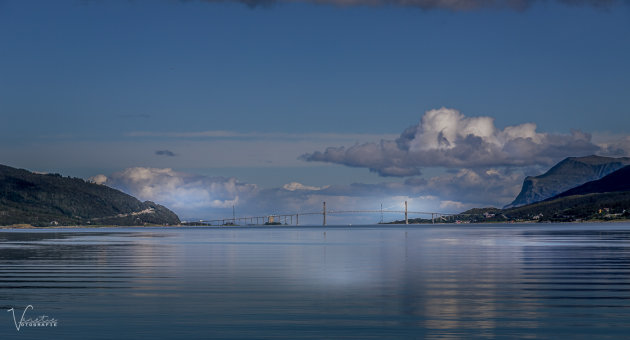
(615, 147)
(293, 186)
(485, 187)
(206, 197)
(98, 179)
(177, 190)
(447, 138)
(443, 129)
(452, 205)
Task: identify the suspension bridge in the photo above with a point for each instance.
(294, 218)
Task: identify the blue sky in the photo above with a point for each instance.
(97, 87)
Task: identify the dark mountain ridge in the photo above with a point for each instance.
(50, 199)
(593, 206)
(567, 174)
(613, 182)
(604, 198)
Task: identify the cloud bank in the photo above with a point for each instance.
(177, 190)
(447, 138)
(485, 166)
(293, 186)
(198, 196)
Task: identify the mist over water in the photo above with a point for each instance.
(320, 282)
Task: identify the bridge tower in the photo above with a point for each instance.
(324, 213)
(406, 220)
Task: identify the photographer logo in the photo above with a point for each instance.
(40, 321)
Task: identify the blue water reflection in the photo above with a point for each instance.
(488, 281)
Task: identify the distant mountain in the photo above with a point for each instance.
(591, 206)
(567, 174)
(614, 182)
(607, 199)
(50, 199)
(605, 206)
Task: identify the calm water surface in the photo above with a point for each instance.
(487, 281)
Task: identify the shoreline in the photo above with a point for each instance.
(30, 227)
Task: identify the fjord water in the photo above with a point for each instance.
(488, 281)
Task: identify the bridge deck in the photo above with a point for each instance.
(324, 212)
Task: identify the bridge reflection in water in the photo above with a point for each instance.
(294, 219)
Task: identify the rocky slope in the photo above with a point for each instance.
(569, 173)
(50, 199)
(614, 182)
